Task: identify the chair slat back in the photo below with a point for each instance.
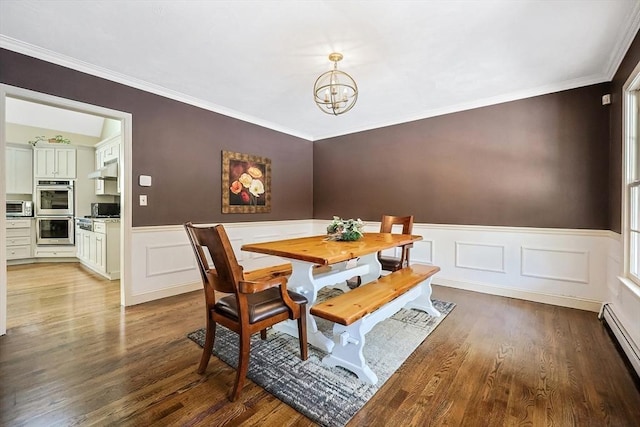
(203, 264)
(227, 267)
(388, 221)
(227, 272)
(386, 226)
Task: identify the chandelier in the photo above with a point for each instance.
(335, 91)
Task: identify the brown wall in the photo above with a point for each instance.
(537, 162)
(629, 62)
(180, 147)
(540, 162)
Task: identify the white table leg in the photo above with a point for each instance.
(302, 282)
(375, 268)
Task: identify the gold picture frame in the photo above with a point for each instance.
(246, 183)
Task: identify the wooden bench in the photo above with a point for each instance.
(356, 312)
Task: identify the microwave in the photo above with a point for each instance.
(19, 208)
(99, 210)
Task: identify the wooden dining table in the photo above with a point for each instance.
(318, 262)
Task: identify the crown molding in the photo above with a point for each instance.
(621, 48)
(94, 70)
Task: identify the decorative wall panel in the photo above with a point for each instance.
(480, 256)
(556, 264)
(168, 259)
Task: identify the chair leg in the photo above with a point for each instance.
(210, 337)
(243, 365)
(263, 334)
(302, 332)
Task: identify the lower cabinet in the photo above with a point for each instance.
(54, 251)
(19, 235)
(100, 249)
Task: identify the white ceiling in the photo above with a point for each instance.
(258, 60)
(44, 116)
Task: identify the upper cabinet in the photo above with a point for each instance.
(106, 152)
(54, 162)
(19, 170)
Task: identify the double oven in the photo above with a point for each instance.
(54, 212)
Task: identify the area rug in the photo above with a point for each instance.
(330, 396)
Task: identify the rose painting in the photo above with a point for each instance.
(246, 183)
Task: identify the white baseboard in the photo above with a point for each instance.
(165, 293)
(563, 301)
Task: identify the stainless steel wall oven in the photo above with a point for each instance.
(54, 198)
(54, 230)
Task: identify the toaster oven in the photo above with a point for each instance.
(19, 208)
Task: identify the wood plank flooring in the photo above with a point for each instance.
(73, 356)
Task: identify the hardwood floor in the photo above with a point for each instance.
(73, 356)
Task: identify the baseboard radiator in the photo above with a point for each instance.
(626, 343)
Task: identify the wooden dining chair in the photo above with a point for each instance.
(390, 263)
(252, 306)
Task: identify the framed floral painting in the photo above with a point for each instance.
(246, 183)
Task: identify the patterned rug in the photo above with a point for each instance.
(327, 395)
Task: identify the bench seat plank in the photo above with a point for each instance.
(351, 306)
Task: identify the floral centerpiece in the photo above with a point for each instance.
(347, 230)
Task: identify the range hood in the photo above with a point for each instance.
(108, 171)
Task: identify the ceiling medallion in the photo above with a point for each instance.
(335, 92)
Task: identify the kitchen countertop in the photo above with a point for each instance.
(105, 220)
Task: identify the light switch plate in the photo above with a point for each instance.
(143, 200)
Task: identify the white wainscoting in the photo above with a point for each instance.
(164, 264)
(555, 266)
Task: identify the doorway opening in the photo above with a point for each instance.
(125, 123)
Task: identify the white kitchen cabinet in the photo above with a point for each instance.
(107, 151)
(54, 162)
(19, 238)
(99, 250)
(83, 244)
(99, 164)
(67, 251)
(111, 151)
(19, 167)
